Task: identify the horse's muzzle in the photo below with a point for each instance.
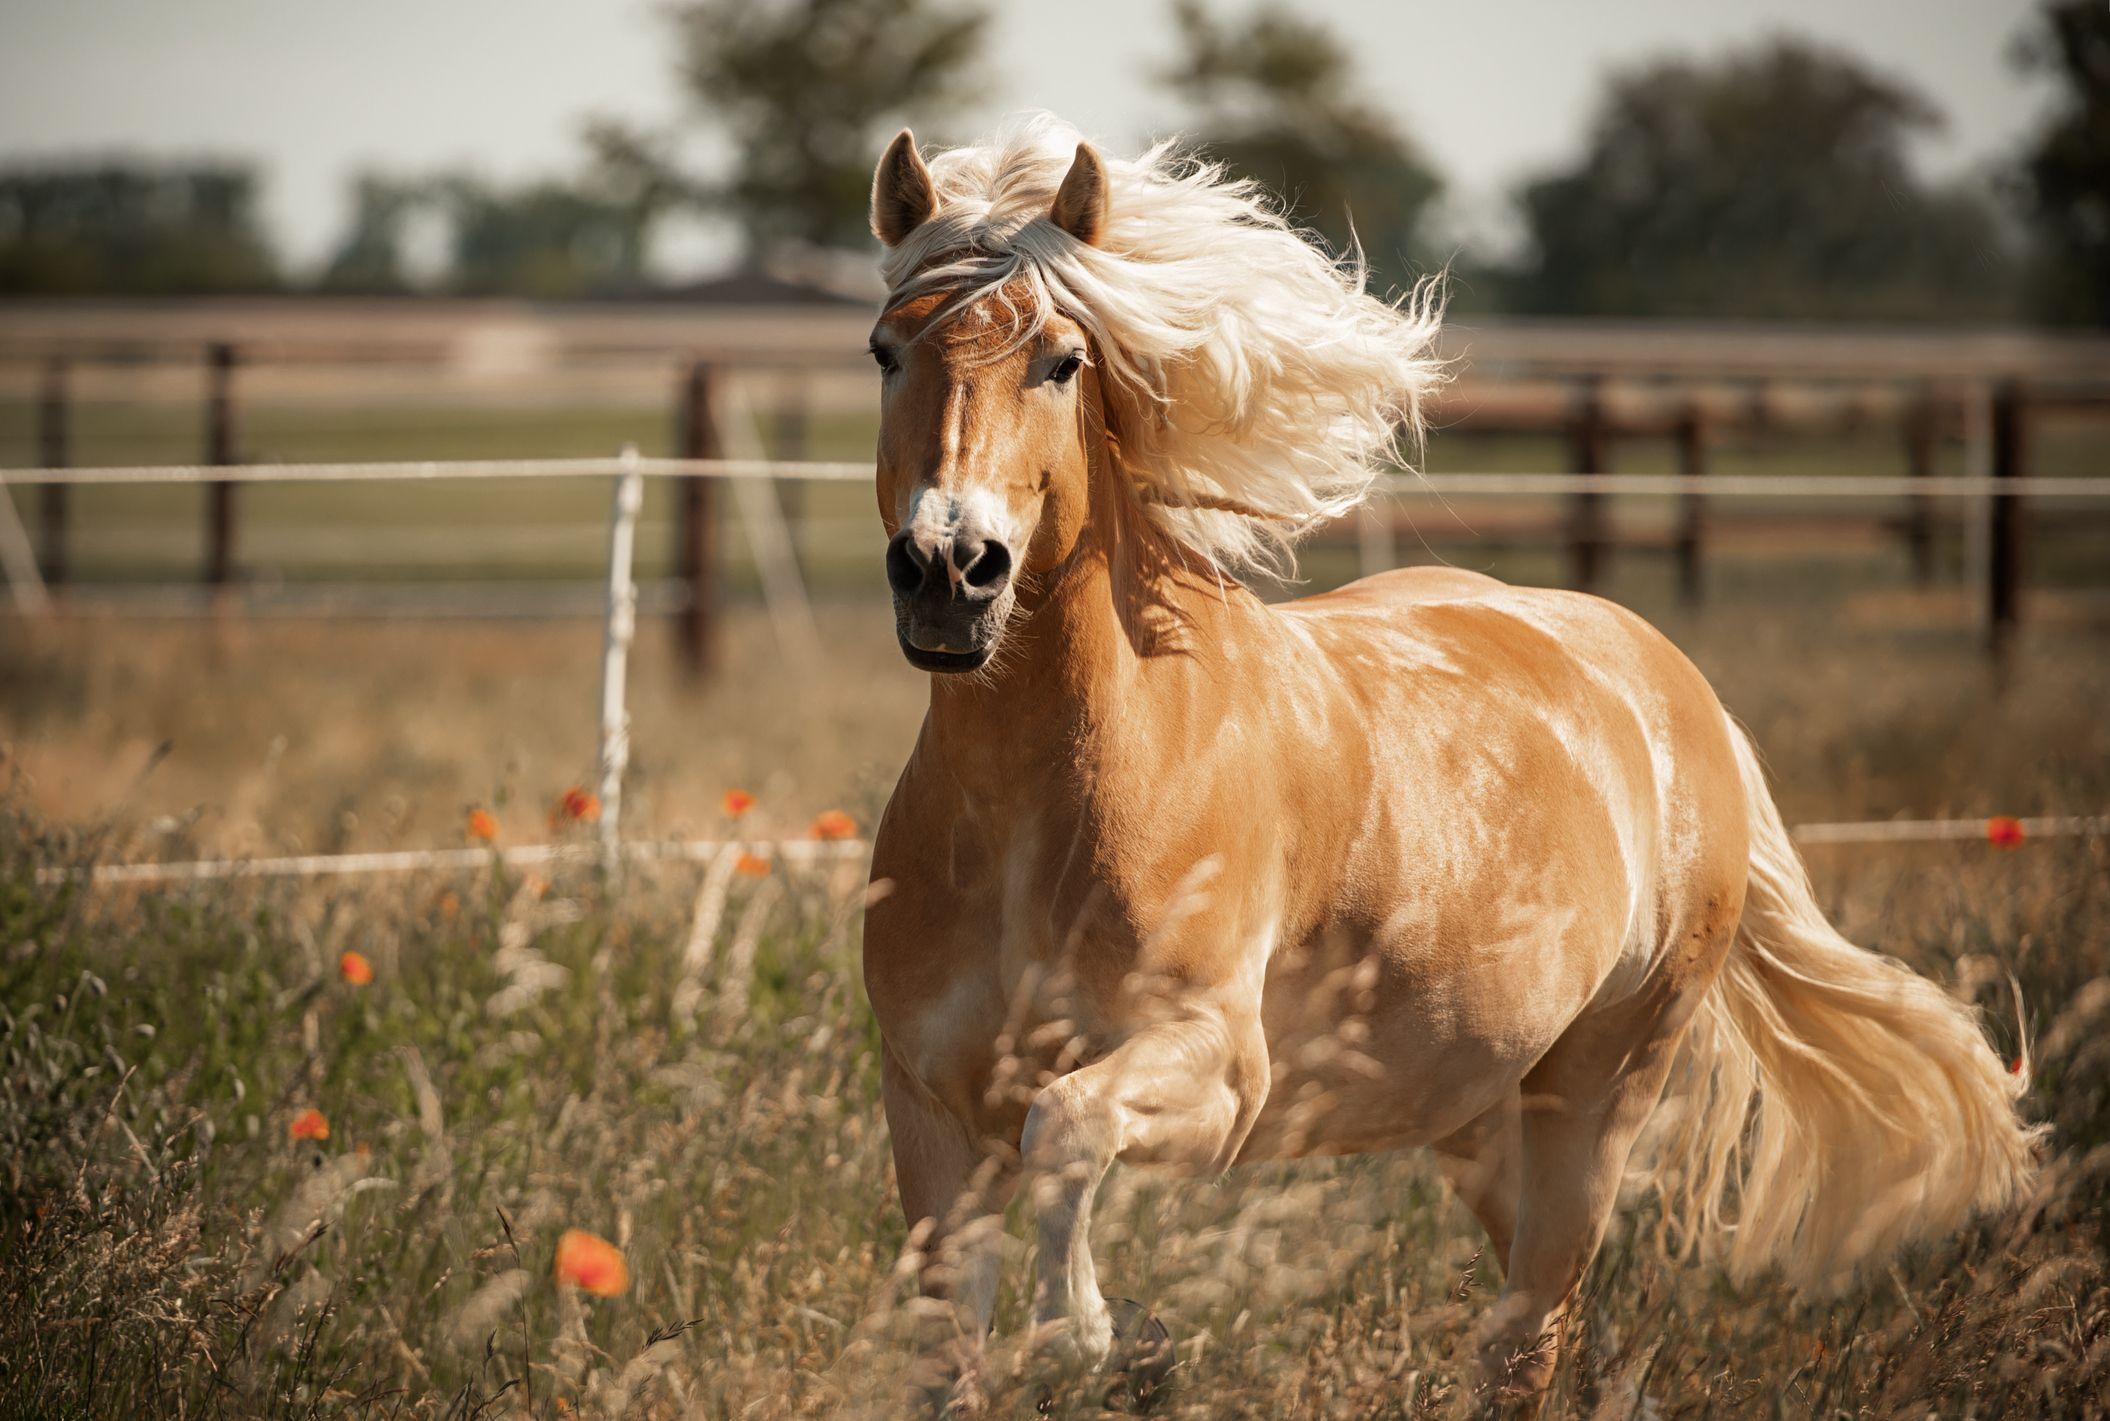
(951, 598)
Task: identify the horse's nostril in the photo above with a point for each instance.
(988, 567)
(904, 570)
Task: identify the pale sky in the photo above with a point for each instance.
(1494, 90)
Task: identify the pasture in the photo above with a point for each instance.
(536, 1053)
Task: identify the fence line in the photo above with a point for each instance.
(417, 860)
(2000, 830)
(857, 471)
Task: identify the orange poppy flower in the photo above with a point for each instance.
(737, 802)
(355, 969)
(751, 866)
(833, 824)
(576, 806)
(591, 1263)
(310, 1124)
(483, 826)
(2004, 831)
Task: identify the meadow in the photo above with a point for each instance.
(687, 1070)
(680, 1062)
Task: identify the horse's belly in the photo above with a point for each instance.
(1384, 1049)
(1334, 1098)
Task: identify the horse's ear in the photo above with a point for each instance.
(1080, 203)
(903, 195)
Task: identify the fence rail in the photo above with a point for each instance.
(1993, 419)
(2000, 830)
(1504, 483)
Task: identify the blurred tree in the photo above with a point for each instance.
(131, 228)
(635, 175)
(548, 240)
(1273, 98)
(806, 92)
(371, 260)
(1771, 182)
(2067, 171)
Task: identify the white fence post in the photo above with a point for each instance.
(615, 657)
(19, 561)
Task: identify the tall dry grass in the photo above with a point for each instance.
(538, 1056)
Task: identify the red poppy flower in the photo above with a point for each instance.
(590, 1263)
(483, 826)
(2004, 831)
(751, 866)
(355, 969)
(576, 806)
(737, 802)
(310, 1124)
(833, 824)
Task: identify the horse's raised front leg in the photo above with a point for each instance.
(1182, 1093)
(953, 1196)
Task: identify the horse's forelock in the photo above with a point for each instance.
(1259, 387)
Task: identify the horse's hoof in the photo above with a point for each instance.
(1142, 1358)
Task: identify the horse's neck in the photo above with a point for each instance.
(1075, 668)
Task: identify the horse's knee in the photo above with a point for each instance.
(1067, 1129)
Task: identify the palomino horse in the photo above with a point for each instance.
(1178, 877)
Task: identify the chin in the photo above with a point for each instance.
(944, 662)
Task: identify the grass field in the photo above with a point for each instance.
(695, 1079)
(536, 1054)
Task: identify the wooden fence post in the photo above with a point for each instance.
(2004, 563)
(1586, 530)
(1921, 422)
(697, 529)
(54, 451)
(1692, 504)
(221, 441)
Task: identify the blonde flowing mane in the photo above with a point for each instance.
(1254, 386)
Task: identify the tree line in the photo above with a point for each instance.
(1773, 180)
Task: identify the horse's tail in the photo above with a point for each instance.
(1836, 1104)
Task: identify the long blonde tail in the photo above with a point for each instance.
(1833, 1104)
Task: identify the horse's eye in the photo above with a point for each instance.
(1066, 368)
(884, 357)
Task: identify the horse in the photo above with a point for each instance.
(1176, 876)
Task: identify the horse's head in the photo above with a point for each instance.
(983, 461)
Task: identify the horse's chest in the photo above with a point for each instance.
(976, 983)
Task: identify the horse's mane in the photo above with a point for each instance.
(1254, 386)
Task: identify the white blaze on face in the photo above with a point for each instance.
(938, 518)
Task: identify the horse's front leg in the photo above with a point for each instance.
(1181, 1093)
(953, 1196)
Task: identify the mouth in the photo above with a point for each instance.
(948, 635)
(942, 662)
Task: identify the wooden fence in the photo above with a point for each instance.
(1584, 419)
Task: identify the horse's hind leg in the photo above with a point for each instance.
(1482, 1161)
(1583, 1106)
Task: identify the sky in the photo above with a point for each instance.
(1494, 90)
